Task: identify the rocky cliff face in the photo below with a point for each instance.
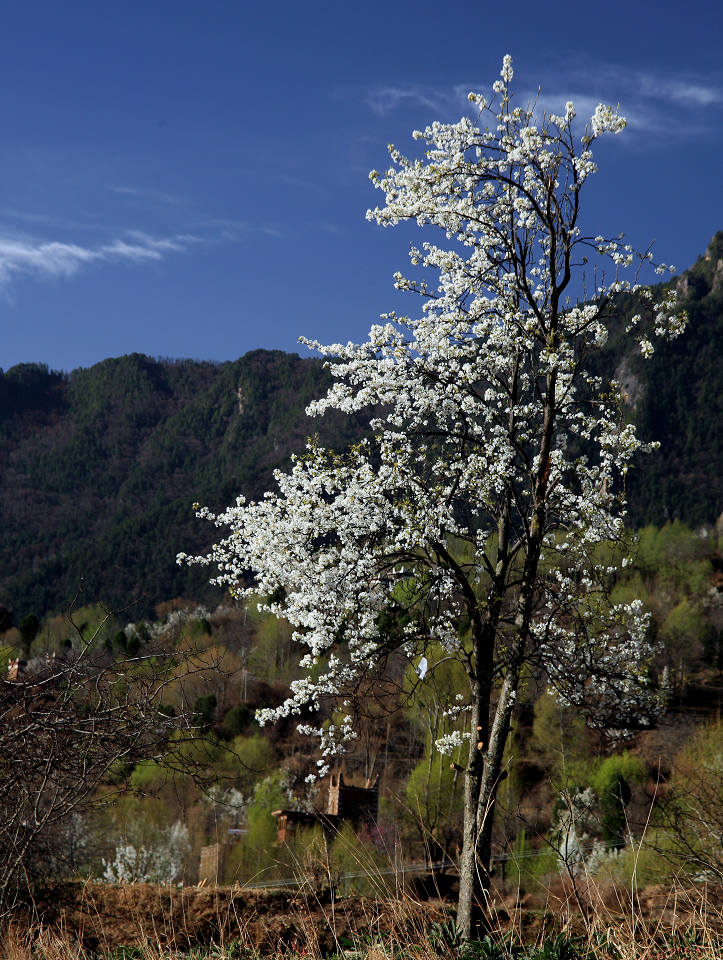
(680, 404)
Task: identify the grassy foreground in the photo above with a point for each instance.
(662, 923)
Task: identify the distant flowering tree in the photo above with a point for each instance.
(473, 516)
(161, 863)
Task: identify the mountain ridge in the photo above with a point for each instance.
(99, 467)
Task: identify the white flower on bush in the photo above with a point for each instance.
(160, 863)
(573, 826)
(228, 804)
(602, 855)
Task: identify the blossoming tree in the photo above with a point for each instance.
(471, 518)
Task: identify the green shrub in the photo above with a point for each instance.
(248, 759)
(527, 867)
(29, 627)
(6, 653)
(271, 657)
(684, 630)
(237, 719)
(432, 792)
(692, 813)
(133, 645)
(559, 740)
(204, 711)
(256, 857)
(147, 777)
(612, 781)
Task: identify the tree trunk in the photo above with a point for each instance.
(469, 888)
(484, 771)
(482, 779)
(475, 858)
(494, 773)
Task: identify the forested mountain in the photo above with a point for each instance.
(676, 398)
(99, 468)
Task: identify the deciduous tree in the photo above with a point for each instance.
(471, 517)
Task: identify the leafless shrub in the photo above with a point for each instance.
(65, 723)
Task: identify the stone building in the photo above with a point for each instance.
(346, 803)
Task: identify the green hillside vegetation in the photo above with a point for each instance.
(676, 399)
(99, 468)
(243, 772)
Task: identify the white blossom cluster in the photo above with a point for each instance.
(161, 862)
(573, 827)
(228, 804)
(449, 742)
(484, 418)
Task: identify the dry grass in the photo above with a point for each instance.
(598, 921)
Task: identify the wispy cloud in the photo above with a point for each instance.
(385, 99)
(276, 176)
(52, 258)
(652, 103)
(148, 193)
(41, 220)
(684, 92)
(228, 228)
(325, 226)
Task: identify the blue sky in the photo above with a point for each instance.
(190, 179)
